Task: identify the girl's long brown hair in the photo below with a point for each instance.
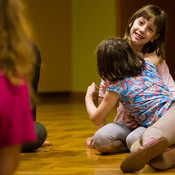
(116, 60)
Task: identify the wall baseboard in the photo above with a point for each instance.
(61, 97)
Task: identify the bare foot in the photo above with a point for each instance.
(44, 147)
(46, 143)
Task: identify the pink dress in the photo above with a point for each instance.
(16, 120)
(167, 79)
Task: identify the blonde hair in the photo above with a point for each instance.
(17, 58)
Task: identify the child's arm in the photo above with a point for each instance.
(99, 114)
(167, 79)
(102, 90)
(122, 114)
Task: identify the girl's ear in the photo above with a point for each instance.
(155, 37)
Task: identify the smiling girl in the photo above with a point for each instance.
(146, 33)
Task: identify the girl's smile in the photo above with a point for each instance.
(142, 31)
(138, 36)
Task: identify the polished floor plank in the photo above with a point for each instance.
(68, 127)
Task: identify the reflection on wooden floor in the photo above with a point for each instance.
(68, 127)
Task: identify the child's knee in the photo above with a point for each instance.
(101, 140)
(130, 139)
(134, 136)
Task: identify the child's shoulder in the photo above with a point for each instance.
(153, 58)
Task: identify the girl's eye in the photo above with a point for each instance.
(150, 29)
(140, 22)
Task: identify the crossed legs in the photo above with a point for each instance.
(112, 138)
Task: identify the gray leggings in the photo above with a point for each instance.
(106, 136)
(41, 134)
(164, 127)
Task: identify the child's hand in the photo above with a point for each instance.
(131, 122)
(92, 89)
(90, 143)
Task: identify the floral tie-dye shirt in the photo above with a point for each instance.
(145, 96)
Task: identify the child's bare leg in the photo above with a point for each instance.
(9, 158)
(164, 127)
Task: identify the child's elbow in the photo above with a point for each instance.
(96, 120)
(92, 118)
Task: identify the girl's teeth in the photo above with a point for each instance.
(139, 36)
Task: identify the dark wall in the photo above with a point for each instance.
(129, 7)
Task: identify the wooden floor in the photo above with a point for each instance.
(68, 127)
